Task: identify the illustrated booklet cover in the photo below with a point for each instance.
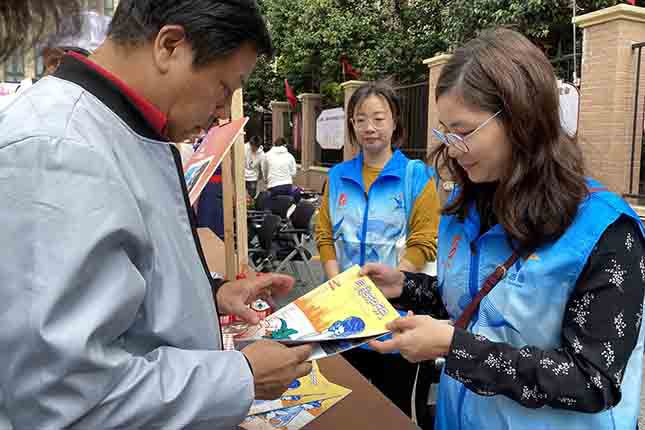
(309, 388)
(200, 167)
(306, 399)
(341, 314)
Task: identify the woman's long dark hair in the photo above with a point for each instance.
(24, 23)
(538, 195)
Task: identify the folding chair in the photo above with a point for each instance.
(280, 205)
(293, 237)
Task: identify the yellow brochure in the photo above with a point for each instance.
(348, 306)
(303, 390)
(293, 418)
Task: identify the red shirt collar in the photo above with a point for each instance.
(154, 116)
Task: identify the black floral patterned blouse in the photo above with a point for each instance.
(599, 331)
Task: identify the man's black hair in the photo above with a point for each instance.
(214, 28)
(24, 23)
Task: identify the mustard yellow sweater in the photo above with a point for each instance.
(421, 245)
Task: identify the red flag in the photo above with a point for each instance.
(632, 2)
(348, 71)
(291, 96)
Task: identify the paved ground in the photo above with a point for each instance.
(302, 288)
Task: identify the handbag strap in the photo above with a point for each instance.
(489, 284)
(493, 279)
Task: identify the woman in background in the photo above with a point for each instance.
(279, 168)
(254, 156)
(379, 207)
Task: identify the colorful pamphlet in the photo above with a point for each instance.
(347, 307)
(293, 418)
(201, 166)
(307, 389)
(305, 400)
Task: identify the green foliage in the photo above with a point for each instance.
(546, 22)
(391, 38)
(332, 94)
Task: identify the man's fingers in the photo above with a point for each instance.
(302, 352)
(278, 284)
(303, 369)
(403, 324)
(247, 314)
(282, 284)
(271, 302)
(385, 346)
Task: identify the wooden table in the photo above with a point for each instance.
(364, 408)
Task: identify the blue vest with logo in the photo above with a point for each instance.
(526, 308)
(373, 226)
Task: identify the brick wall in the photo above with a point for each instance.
(607, 96)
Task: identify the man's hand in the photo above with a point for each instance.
(276, 366)
(419, 338)
(388, 279)
(233, 297)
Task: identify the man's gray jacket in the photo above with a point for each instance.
(107, 317)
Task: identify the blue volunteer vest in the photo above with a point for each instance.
(526, 308)
(373, 227)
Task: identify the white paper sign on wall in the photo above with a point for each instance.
(569, 107)
(330, 128)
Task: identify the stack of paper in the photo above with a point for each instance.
(339, 315)
(305, 400)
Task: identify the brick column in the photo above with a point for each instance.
(278, 110)
(310, 105)
(607, 94)
(349, 150)
(435, 64)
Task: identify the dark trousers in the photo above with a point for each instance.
(285, 190)
(390, 373)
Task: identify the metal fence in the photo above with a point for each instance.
(414, 112)
(637, 190)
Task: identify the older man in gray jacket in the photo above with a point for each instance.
(108, 316)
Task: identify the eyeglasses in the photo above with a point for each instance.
(363, 123)
(457, 141)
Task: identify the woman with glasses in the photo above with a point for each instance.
(541, 269)
(379, 207)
